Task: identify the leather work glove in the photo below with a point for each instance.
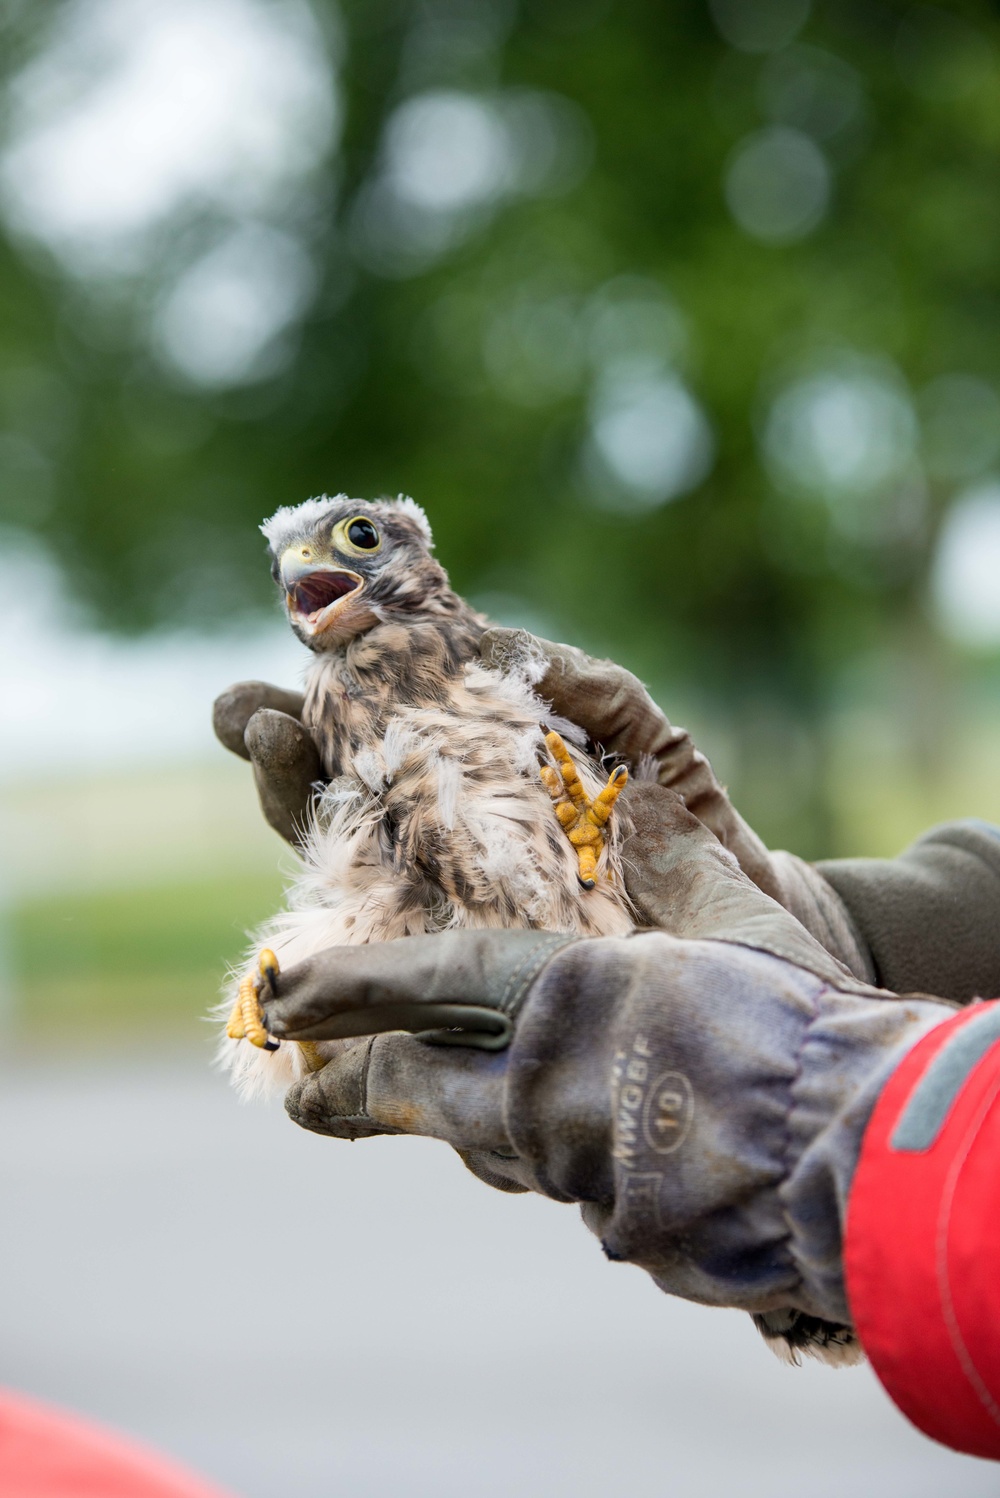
(926, 920)
(702, 1097)
(263, 724)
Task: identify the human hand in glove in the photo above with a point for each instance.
(925, 921)
(702, 1098)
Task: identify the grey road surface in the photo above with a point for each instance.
(302, 1318)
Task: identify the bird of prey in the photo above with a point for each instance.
(454, 797)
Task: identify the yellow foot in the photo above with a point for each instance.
(311, 1055)
(582, 820)
(246, 1020)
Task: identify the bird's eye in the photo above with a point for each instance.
(358, 536)
(362, 534)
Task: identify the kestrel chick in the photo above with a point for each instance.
(442, 773)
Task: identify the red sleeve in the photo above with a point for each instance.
(49, 1453)
(922, 1242)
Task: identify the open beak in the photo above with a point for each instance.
(316, 595)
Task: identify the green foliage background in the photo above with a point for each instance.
(746, 605)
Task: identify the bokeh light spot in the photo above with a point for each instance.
(778, 185)
(450, 158)
(650, 438)
(447, 150)
(220, 323)
(842, 431)
(759, 25)
(137, 111)
(965, 579)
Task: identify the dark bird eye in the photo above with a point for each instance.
(363, 535)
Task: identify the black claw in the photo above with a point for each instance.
(271, 1044)
(587, 883)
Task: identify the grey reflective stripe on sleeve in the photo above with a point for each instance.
(931, 1100)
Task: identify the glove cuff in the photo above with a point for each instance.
(712, 1128)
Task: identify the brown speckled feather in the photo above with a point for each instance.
(435, 816)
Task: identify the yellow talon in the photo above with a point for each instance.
(246, 1019)
(253, 1027)
(581, 819)
(234, 1029)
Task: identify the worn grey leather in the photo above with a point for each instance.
(286, 769)
(233, 709)
(702, 1101)
(700, 1089)
(619, 714)
(682, 880)
(261, 723)
(453, 965)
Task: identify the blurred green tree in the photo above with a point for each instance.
(682, 321)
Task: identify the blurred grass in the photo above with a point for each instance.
(882, 803)
(132, 958)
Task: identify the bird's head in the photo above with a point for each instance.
(344, 565)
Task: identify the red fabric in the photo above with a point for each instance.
(922, 1252)
(47, 1453)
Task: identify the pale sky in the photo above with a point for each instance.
(74, 697)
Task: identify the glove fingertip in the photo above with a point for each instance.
(293, 1099)
(276, 740)
(229, 720)
(504, 648)
(233, 709)
(307, 1107)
